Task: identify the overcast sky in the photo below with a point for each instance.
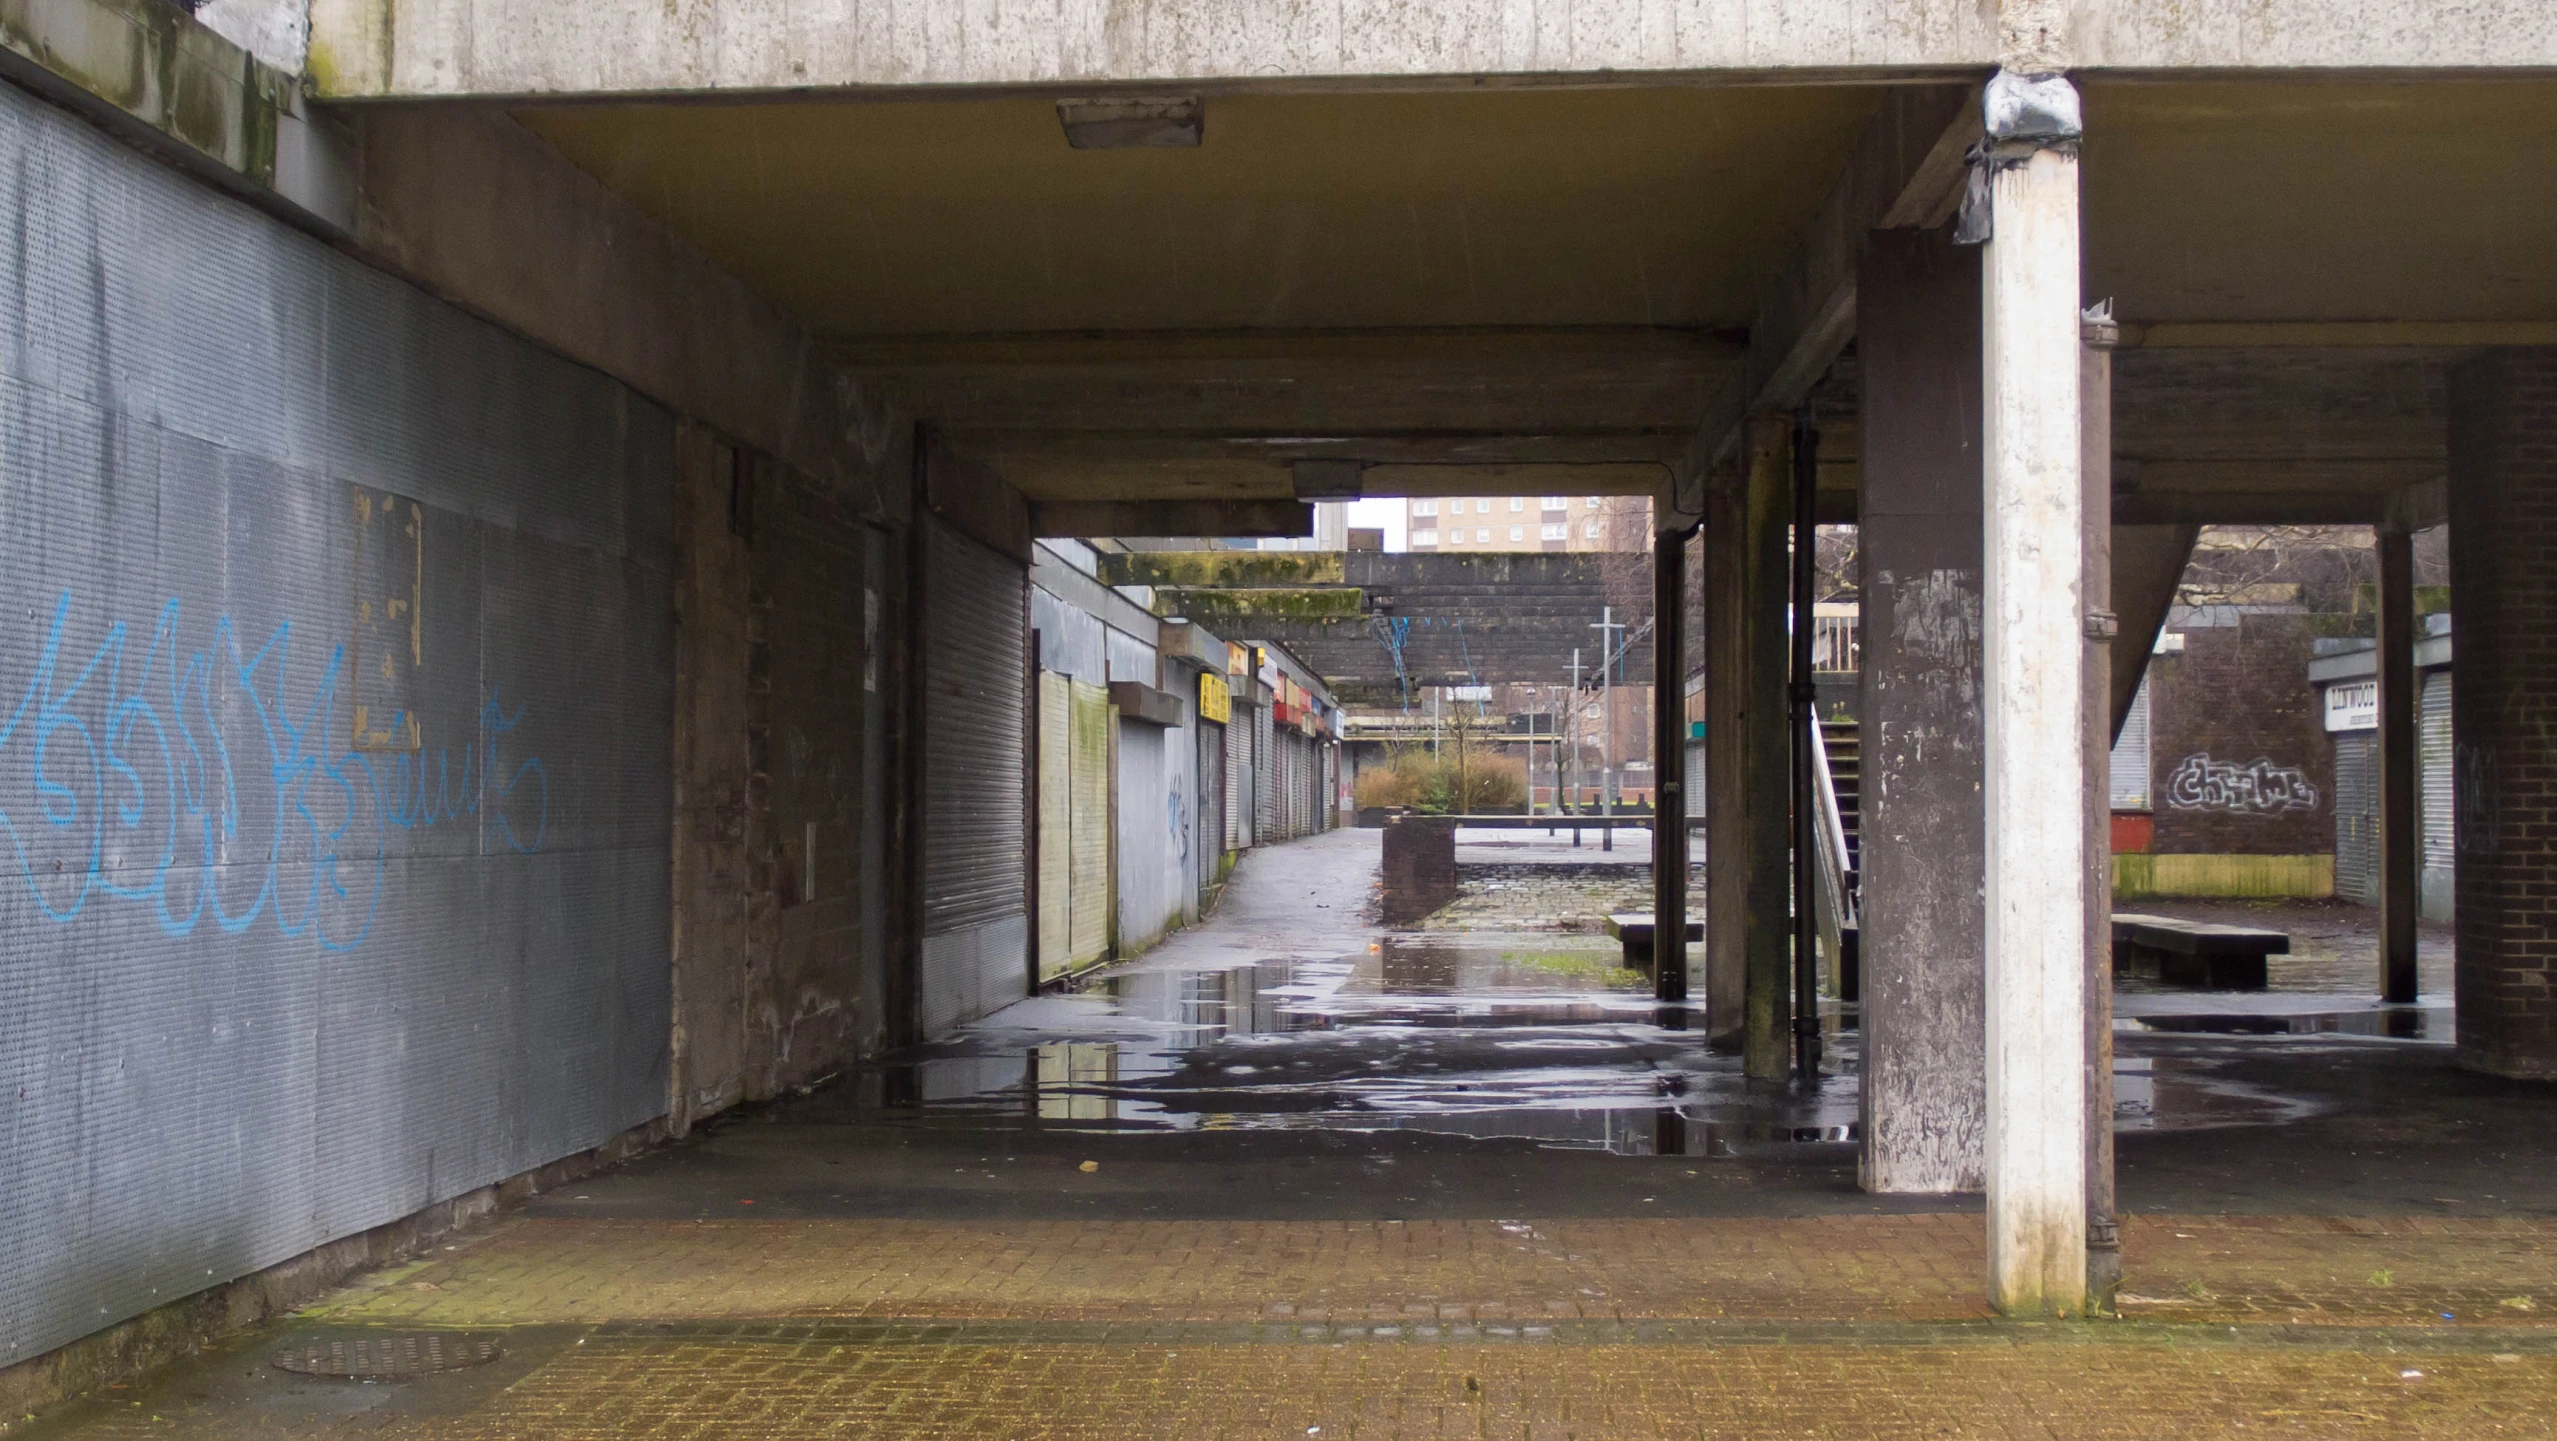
(1381, 514)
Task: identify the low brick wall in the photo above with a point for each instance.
(1420, 867)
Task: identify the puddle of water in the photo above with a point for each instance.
(2398, 1023)
(2154, 1095)
(1532, 1036)
(1535, 1036)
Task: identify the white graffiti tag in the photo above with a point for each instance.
(2261, 788)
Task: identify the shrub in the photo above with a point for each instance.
(1416, 780)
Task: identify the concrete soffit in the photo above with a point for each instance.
(1906, 171)
(479, 210)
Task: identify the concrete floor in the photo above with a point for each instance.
(1291, 1174)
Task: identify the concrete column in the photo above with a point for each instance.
(1669, 770)
(1922, 1018)
(2503, 524)
(1746, 933)
(1726, 625)
(2034, 652)
(1766, 751)
(2401, 861)
(2095, 465)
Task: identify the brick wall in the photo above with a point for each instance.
(2239, 759)
(2503, 539)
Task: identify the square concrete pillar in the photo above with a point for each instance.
(2503, 535)
(1924, 1009)
(1748, 927)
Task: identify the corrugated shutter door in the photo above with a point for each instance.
(2434, 772)
(1090, 864)
(973, 619)
(1056, 825)
(2357, 816)
(1211, 798)
(2130, 781)
(1265, 822)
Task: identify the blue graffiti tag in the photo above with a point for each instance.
(189, 782)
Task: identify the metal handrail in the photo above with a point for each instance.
(1837, 903)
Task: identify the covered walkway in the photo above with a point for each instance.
(1278, 1177)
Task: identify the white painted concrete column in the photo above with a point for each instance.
(2034, 655)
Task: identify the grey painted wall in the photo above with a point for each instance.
(334, 700)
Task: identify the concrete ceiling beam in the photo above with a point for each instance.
(1149, 518)
(1905, 171)
(2411, 335)
(1091, 448)
(1308, 383)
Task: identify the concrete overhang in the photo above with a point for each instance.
(1548, 290)
(523, 48)
(1448, 291)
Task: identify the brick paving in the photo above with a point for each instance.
(1866, 1326)
(719, 1388)
(1917, 1267)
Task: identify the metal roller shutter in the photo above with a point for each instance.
(1089, 931)
(976, 932)
(1212, 799)
(2357, 816)
(1056, 825)
(2435, 796)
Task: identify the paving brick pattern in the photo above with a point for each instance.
(703, 1390)
(1862, 1326)
(1920, 1267)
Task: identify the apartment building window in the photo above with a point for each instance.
(1483, 537)
(1456, 535)
(1517, 533)
(1593, 502)
(1558, 502)
(1557, 532)
(1517, 503)
(1590, 531)
(1483, 506)
(1424, 537)
(1424, 507)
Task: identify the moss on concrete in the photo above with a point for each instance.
(1303, 604)
(1212, 569)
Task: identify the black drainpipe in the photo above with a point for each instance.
(1806, 951)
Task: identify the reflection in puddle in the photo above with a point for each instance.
(1543, 1038)
(2151, 1094)
(2400, 1023)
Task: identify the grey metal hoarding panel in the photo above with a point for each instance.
(262, 986)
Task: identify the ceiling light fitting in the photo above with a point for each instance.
(1133, 123)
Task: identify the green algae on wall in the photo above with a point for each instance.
(1216, 569)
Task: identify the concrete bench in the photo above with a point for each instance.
(1634, 929)
(2194, 953)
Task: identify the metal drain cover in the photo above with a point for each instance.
(394, 1356)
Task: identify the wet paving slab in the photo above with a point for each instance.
(1291, 1058)
(1529, 1036)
